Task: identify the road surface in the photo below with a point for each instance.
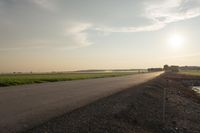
(22, 107)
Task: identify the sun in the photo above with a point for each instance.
(176, 41)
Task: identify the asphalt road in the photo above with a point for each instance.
(23, 107)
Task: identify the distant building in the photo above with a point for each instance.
(189, 68)
(171, 68)
(174, 68)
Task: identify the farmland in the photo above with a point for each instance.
(190, 72)
(20, 79)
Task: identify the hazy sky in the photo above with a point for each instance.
(59, 35)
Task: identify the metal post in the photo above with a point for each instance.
(164, 104)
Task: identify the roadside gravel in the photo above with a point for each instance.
(136, 110)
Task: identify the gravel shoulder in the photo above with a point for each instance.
(138, 109)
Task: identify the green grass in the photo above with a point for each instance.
(19, 79)
(190, 72)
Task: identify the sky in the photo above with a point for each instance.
(66, 35)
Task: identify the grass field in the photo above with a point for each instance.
(19, 79)
(190, 72)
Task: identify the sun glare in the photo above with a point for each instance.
(176, 41)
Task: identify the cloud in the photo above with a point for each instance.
(45, 4)
(152, 27)
(172, 11)
(73, 35)
(161, 14)
(77, 34)
(71, 21)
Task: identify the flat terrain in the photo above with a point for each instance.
(139, 109)
(19, 79)
(190, 72)
(22, 107)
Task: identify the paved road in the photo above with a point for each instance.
(22, 107)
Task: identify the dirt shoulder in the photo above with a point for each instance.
(137, 110)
